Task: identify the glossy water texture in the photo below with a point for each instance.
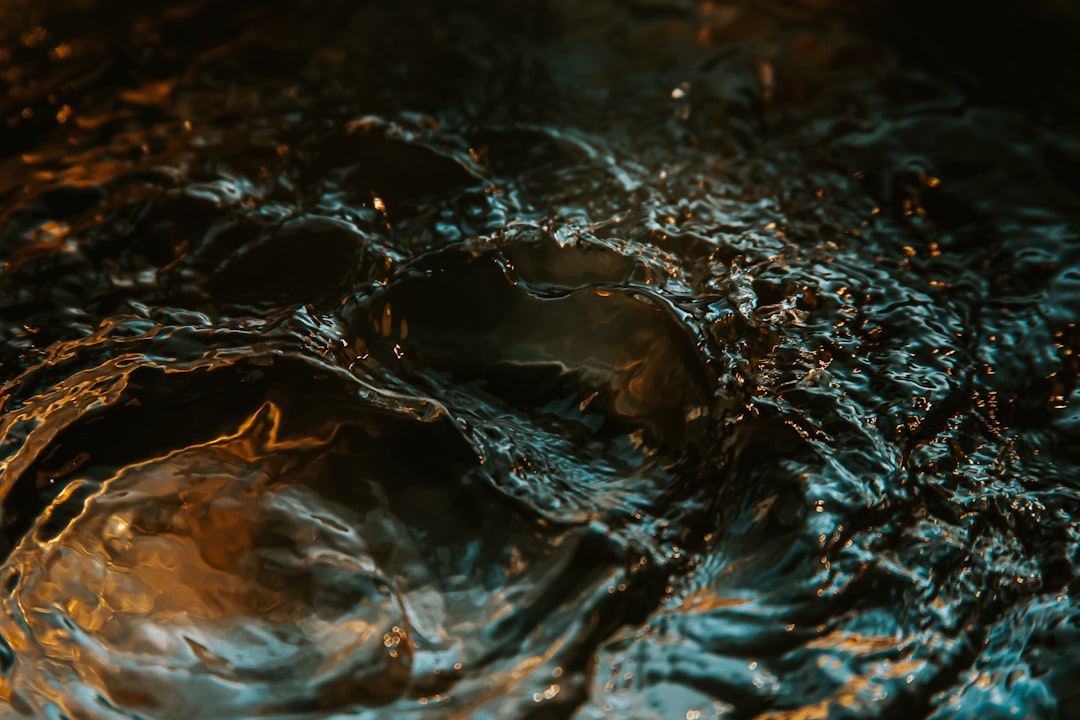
(615, 359)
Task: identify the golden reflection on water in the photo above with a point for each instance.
(186, 562)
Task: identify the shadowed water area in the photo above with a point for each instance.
(621, 359)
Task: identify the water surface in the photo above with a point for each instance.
(619, 359)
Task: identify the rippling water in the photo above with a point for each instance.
(628, 358)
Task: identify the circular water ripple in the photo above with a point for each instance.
(191, 584)
(256, 573)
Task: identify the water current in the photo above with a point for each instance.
(648, 359)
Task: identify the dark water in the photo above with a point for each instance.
(626, 359)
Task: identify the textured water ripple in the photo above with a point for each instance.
(634, 359)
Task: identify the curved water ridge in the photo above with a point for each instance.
(623, 359)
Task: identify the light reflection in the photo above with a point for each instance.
(190, 552)
(726, 175)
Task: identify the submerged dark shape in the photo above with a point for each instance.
(622, 359)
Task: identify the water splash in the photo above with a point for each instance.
(621, 359)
